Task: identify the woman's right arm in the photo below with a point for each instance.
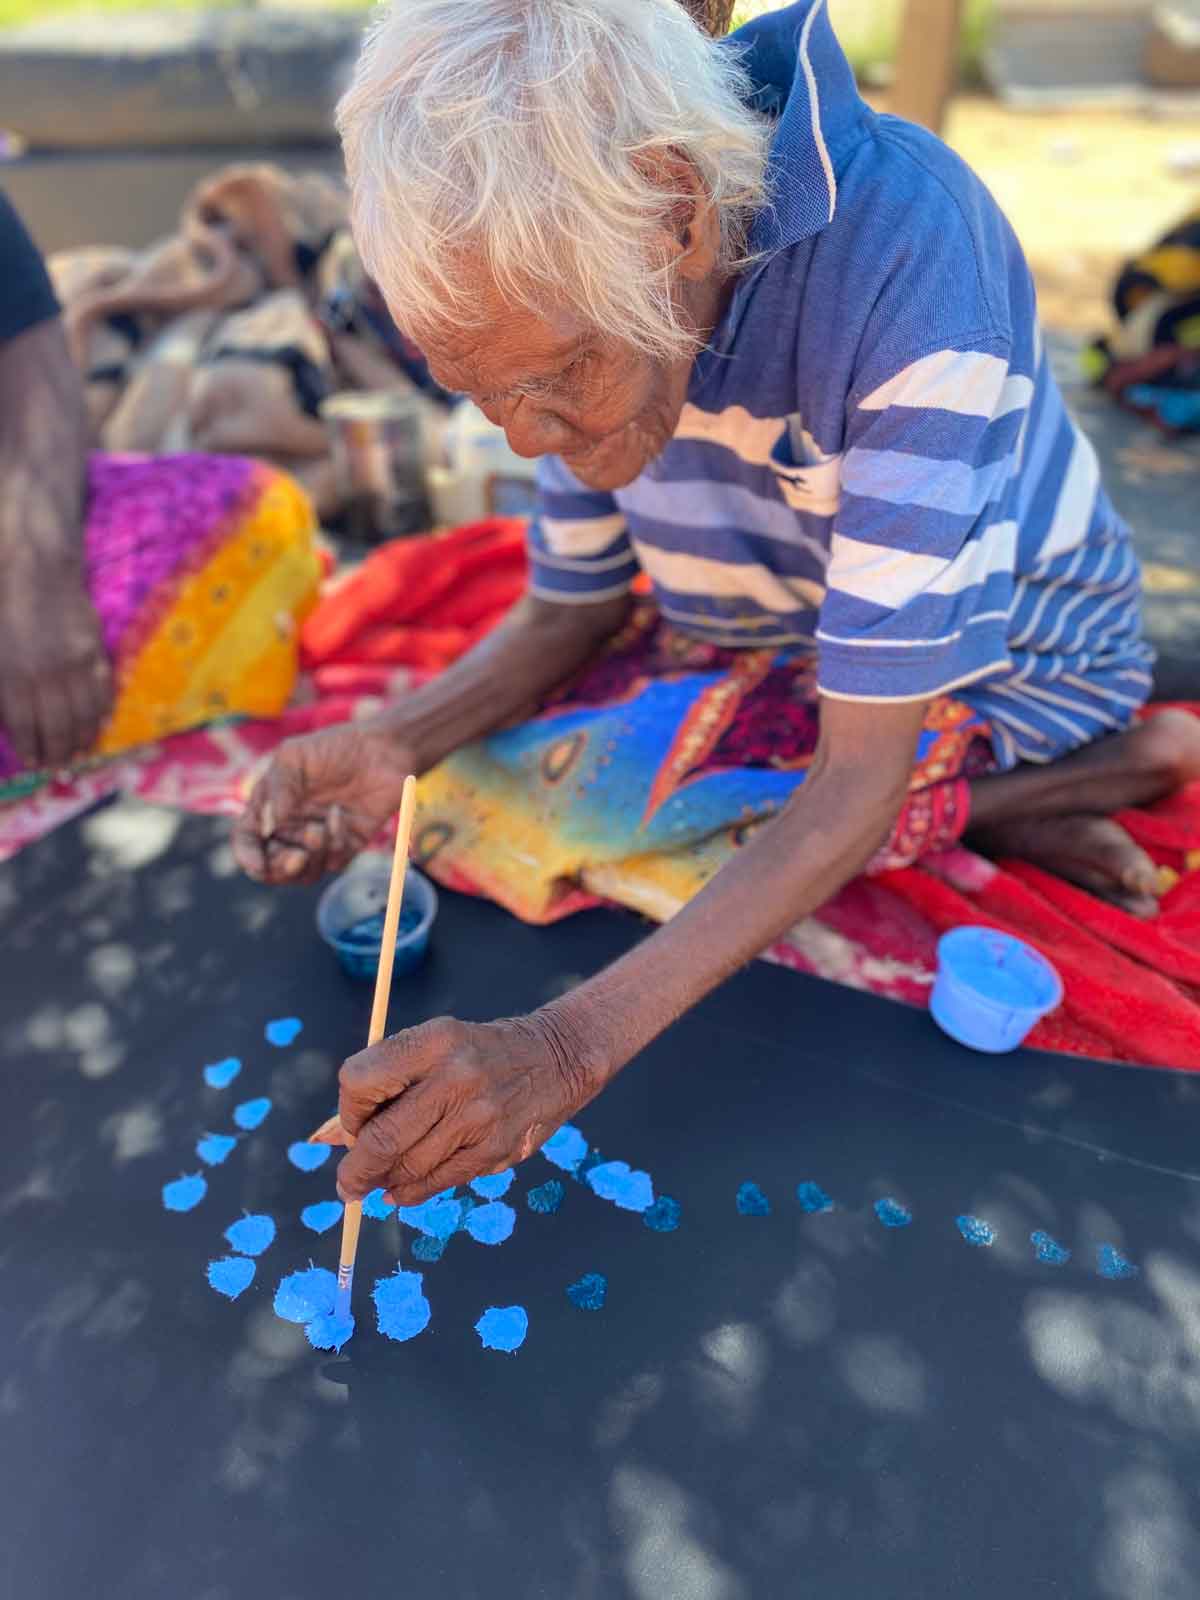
(325, 795)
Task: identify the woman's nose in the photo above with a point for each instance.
(533, 432)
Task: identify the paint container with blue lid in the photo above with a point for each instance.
(991, 988)
(350, 917)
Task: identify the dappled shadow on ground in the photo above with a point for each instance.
(793, 1403)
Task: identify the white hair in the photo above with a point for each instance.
(531, 133)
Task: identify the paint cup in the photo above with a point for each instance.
(377, 442)
(350, 917)
(991, 988)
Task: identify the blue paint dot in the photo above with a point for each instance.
(401, 1310)
(250, 1236)
(492, 1223)
(426, 1247)
(321, 1216)
(438, 1217)
(493, 1186)
(184, 1193)
(975, 1231)
(813, 1198)
(251, 1113)
(663, 1216)
(214, 1147)
(301, 1296)
(1049, 1250)
(328, 1331)
(631, 1191)
(752, 1202)
(892, 1214)
(308, 1157)
(376, 1207)
(230, 1275)
(566, 1148)
(222, 1073)
(1110, 1263)
(589, 1292)
(503, 1328)
(547, 1197)
(283, 1031)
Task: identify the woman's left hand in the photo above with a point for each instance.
(440, 1104)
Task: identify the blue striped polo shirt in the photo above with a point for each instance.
(874, 463)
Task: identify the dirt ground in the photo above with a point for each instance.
(1084, 190)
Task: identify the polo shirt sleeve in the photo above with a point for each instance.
(921, 564)
(26, 297)
(579, 548)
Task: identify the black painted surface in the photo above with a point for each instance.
(766, 1407)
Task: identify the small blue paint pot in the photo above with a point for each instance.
(991, 988)
(350, 917)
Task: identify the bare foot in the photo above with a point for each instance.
(1094, 852)
(1059, 816)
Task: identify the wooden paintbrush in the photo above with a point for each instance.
(332, 1332)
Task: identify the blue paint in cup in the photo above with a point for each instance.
(350, 917)
(991, 988)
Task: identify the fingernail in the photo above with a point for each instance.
(266, 822)
(291, 862)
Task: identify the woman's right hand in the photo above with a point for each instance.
(321, 801)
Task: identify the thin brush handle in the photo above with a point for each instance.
(352, 1216)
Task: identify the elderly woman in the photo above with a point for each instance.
(780, 356)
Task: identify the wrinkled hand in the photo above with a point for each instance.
(320, 802)
(449, 1101)
(56, 686)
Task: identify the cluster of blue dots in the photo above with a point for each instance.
(402, 1309)
(751, 1201)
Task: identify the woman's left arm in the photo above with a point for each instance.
(448, 1101)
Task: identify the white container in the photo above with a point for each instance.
(481, 477)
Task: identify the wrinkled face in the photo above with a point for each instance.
(557, 387)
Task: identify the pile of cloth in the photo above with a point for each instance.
(419, 602)
(1150, 363)
(226, 337)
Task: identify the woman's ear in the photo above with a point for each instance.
(690, 228)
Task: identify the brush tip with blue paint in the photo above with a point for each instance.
(330, 1330)
(991, 989)
(301, 1296)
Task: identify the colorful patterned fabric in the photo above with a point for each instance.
(1151, 361)
(200, 568)
(638, 780)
